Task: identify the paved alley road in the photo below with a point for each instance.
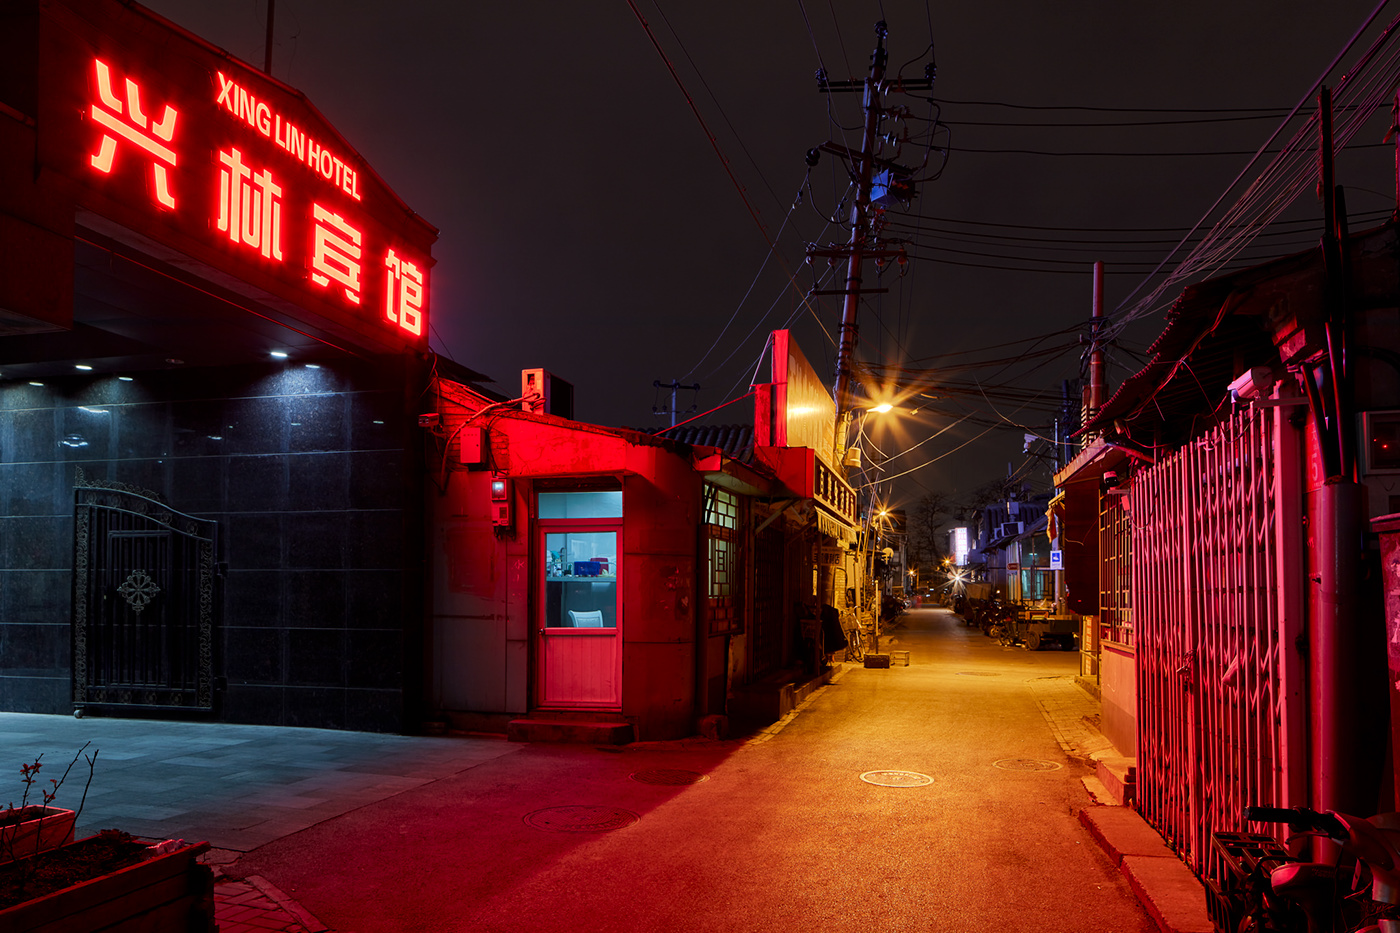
(780, 833)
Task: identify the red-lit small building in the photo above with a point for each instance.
(213, 320)
(613, 584)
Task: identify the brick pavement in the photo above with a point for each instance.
(255, 905)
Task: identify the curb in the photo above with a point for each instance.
(1165, 887)
(302, 915)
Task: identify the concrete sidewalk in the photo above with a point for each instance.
(235, 787)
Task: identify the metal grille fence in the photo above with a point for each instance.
(1217, 610)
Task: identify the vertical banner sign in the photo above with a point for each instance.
(173, 139)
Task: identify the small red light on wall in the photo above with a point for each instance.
(500, 502)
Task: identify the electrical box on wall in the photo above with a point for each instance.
(545, 393)
(473, 446)
(500, 502)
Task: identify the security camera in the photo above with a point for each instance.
(1252, 383)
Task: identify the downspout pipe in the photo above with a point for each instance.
(1340, 718)
(1338, 691)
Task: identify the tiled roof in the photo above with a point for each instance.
(736, 440)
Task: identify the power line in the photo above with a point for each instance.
(1147, 155)
(985, 223)
(1096, 109)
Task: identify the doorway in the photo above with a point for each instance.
(580, 610)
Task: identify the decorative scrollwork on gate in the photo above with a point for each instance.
(138, 590)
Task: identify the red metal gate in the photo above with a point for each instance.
(1217, 612)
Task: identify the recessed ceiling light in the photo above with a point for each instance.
(278, 355)
(33, 383)
(83, 366)
(312, 366)
(125, 378)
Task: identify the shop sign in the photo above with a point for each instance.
(207, 156)
(806, 411)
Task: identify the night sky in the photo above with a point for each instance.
(589, 227)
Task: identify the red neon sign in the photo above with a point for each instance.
(135, 126)
(403, 295)
(250, 206)
(261, 116)
(256, 157)
(335, 252)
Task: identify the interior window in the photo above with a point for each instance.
(580, 578)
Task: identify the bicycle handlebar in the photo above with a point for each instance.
(1300, 818)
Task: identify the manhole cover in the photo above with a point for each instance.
(978, 674)
(669, 776)
(896, 778)
(1026, 764)
(580, 819)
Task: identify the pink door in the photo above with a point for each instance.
(580, 640)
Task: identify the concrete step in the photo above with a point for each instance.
(775, 696)
(1119, 775)
(612, 731)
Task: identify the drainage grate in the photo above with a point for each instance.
(580, 819)
(896, 778)
(978, 674)
(1026, 764)
(669, 776)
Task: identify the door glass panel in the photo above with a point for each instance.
(580, 579)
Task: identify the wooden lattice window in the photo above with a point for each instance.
(724, 561)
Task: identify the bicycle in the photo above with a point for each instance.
(855, 638)
(1269, 889)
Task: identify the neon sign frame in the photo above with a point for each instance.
(246, 177)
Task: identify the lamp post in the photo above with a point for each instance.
(873, 518)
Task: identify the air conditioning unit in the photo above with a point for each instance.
(545, 393)
(1008, 529)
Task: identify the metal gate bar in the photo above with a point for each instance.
(1214, 622)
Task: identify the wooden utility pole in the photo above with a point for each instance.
(865, 168)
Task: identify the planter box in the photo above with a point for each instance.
(25, 831)
(163, 894)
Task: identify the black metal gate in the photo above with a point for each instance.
(143, 601)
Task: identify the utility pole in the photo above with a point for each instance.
(267, 46)
(868, 171)
(1097, 388)
(675, 387)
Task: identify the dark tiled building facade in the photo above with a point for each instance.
(303, 471)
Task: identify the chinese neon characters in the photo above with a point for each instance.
(133, 125)
(250, 205)
(319, 242)
(335, 252)
(403, 294)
